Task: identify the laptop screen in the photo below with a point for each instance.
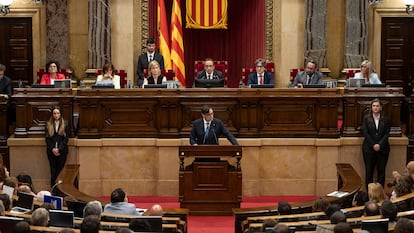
(62, 83)
(356, 82)
(60, 218)
(25, 200)
(55, 201)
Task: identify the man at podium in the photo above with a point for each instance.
(207, 129)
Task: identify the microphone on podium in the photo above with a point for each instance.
(55, 185)
(214, 132)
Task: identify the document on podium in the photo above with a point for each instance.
(337, 194)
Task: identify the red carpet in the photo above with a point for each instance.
(208, 224)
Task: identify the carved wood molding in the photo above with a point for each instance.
(269, 30)
(144, 22)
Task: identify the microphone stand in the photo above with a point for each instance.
(55, 185)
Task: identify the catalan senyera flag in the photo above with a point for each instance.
(177, 45)
(163, 35)
(206, 14)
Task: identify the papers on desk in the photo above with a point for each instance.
(337, 194)
(141, 211)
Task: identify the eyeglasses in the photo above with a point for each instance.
(52, 66)
(259, 66)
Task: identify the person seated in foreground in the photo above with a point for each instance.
(360, 198)
(154, 74)
(343, 227)
(261, 76)
(139, 225)
(331, 209)
(22, 227)
(93, 208)
(108, 77)
(5, 199)
(371, 208)
(40, 217)
(90, 224)
(376, 192)
(367, 73)
(119, 204)
(389, 210)
(336, 217)
(320, 204)
(209, 71)
(308, 76)
(284, 208)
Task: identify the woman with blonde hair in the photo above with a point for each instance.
(367, 73)
(154, 74)
(57, 137)
(376, 193)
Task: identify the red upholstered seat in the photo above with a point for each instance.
(122, 76)
(351, 73)
(270, 67)
(221, 66)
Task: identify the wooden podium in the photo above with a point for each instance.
(210, 185)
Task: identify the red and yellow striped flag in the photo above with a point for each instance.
(206, 14)
(163, 35)
(177, 45)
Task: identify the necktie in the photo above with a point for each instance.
(209, 76)
(308, 80)
(207, 129)
(150, 58)
(261, 79)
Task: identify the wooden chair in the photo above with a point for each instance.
(270, 67)
(349, 73)
(122, 77)
(221, 66)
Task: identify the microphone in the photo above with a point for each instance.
(55, 185)
(214, 132)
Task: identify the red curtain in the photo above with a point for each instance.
(241, 44)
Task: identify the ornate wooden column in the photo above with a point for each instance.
(99, 33)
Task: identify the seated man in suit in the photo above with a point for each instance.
(145, 58)
(209, 72)
(119, 204)
(309, 76)
(208, 129)
(261, 76)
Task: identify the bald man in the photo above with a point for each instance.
(155, 210)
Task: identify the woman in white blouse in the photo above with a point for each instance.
(108, 77)
(367, 73)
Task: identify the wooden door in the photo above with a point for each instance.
(397, 57)
(16, 49)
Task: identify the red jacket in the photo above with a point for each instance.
(46, 78)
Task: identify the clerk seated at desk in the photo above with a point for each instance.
(261, 76)
(207, 130)
(367, 73)
(52, 74)
(309, 76)
(108, 77)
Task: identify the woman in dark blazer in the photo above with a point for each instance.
(375, 148)
(57, 137)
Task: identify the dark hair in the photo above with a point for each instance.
(106, 67)
(371, 208)
(361, 197)
(205, 109)
(404, 225)
(24, 179)
(50, 63)
(21, 227)
(343, 227)
(140, 225)
(150, 41)
(320, 204)
(332, 208)
(118, 195)
(6, 201)
(90, 224)
(312, 61)
(403, 186)
(337, 217)
(2, 67)
(123, 230)
(284, 208)
(389, 210)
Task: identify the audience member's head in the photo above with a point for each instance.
(155, 210)
(3, 173)
(118, 195)
(410, 168)
(2, 209)
(123, 230)
(389, 210)
(137, 224)
(24, 188)
(360, 198)
(40, 195)
(337, 217)
(40, 217)
(67, 230)
(404, 225)
(22, 227)
(284, 208)
(343, 227)
(25, 179)
(11, 182)
(90, 224)
(371, 208)
(320, 204)
(281, 228)
(376, 192)
(332, 208)
(6, 201)
(48, 206)
(403, 186)
(93, 208)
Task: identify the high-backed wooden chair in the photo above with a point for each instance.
(221, 66)
(122, 75)
(270, 67)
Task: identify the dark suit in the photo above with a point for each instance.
(5, 86)
(57, 162)
(301, 77)
(143, 64)
(372, 158)
(203, 75)
(217, 129)
(268, 78)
